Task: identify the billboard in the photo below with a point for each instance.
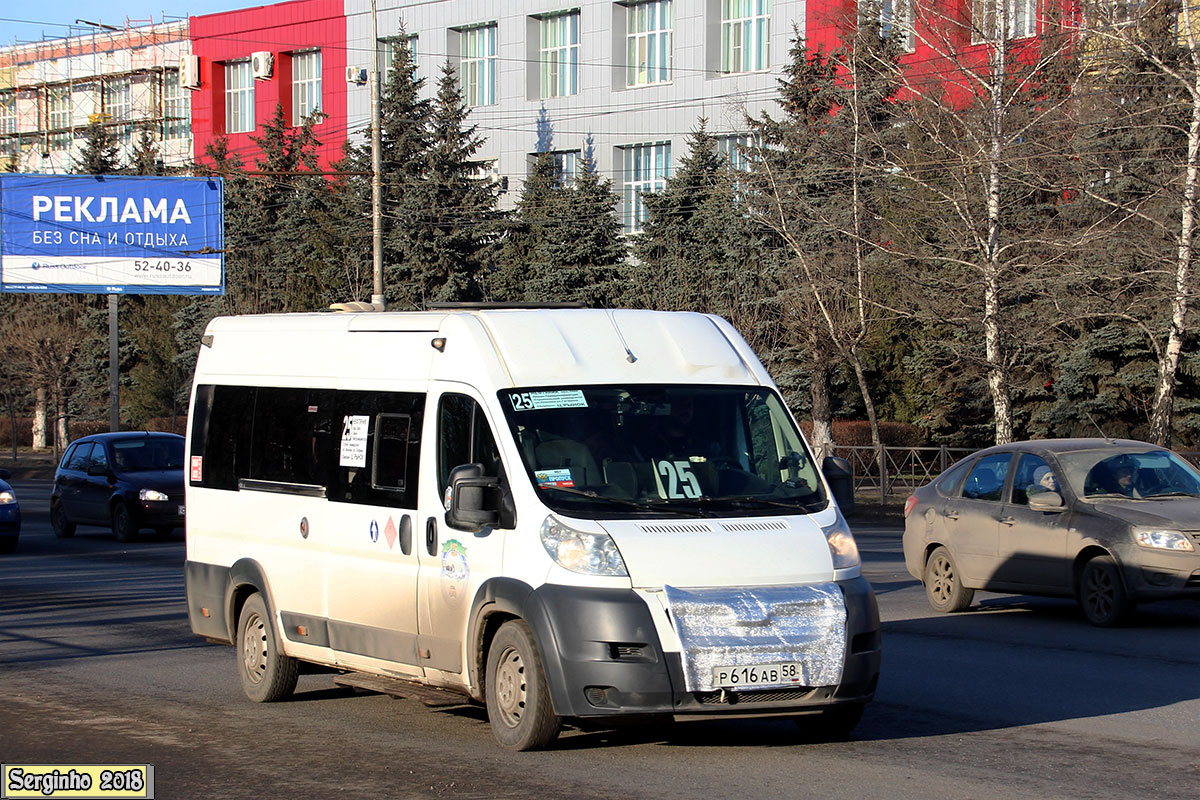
(108, 234)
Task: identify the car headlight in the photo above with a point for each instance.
(1163, 540)
(151, 494)
(582, 552)
(7, 497)
(842, 546)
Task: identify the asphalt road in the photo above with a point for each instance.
(1018, 698)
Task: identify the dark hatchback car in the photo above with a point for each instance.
(1108, 522)
(128, 481)
(10, 515)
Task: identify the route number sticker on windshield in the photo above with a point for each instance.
(535, 401)
(676, 481)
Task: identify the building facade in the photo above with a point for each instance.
(291, 55)
(50, 92)
(632, 77)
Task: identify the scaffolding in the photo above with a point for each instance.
(125, 78)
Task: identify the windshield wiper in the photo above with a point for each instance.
(658, 505)
(755, 500)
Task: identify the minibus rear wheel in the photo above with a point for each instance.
(518, 700)
(267, 674)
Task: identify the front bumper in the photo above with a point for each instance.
(160, 513)
(10, 519)
(603, 657)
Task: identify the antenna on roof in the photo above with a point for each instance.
(1095, 424)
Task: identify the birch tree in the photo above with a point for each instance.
(981, 162)
(1146, 64)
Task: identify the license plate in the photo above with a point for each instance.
(755, 675)
(181, 511)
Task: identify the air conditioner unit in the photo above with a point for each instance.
(189, 72)
(356, 75)
(262, 64)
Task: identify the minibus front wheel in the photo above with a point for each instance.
(518, 700)
(267, 674)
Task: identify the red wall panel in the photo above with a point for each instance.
(281, 29)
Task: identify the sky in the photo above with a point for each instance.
(21, 20)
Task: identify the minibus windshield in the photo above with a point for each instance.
(640, 450)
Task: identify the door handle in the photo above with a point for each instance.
(406, 535)
(1007, 521)
(431, 536)
(952, 515)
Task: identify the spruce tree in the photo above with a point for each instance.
(446, 214)
(101, 154)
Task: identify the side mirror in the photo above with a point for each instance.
(4, 474)
(840, 476)
(474, 499)
(100, 470)
(1046, 501)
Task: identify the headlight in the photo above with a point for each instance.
(842, 546)
(151, 494)
(578, 551)
(1162, 540)
(7, 497)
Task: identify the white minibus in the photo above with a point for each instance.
(561, 514)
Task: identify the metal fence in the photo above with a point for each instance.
(890, 471)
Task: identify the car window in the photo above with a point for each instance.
(950, 481)
(147, 454)
(1033, 475)
(99, 457)
(78, 458)
(1130, 473)
(986, 481)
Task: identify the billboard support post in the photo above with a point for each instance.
(114, 367)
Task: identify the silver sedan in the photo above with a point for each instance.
(1109, 522)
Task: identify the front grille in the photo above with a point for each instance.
(629, 652)
(720, 698)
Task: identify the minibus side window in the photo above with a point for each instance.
(464, 437)
(224, 444)
(283, 437)
(385, 473)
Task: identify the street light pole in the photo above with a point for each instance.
(377, 297)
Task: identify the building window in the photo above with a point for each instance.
(8, 122)
(389, 49)
(646, 167)
(560, 55)
(478, 65)
(306, 86)
(58, 116)
(177, 113)
(896, 19)
(239, 98)
(566, 162)
(738, 148)
(745, 35)
(117, 106)
(648, 43)
(1020, 17)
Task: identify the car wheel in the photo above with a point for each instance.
(267, 674)
(518, 700)
(63, 528)
(8, 545)
(1102, 593)
(833, 724)
(943, 584)
(122, 523)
